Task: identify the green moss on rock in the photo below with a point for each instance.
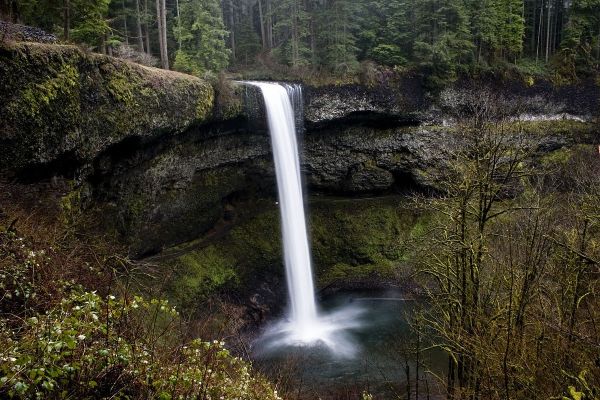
(59, 86)
(59, 99)
(357, 239)
(198, 274)
(352, 240)
(556, 158)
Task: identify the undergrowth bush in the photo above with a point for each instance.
(59, 339)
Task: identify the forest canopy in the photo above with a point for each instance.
(441, 38)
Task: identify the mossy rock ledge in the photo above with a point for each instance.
(59, 102)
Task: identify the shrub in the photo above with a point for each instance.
(61, 340)
(90, 347)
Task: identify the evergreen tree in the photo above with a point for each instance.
(580, 48)
(395, 40)
(336, 41)
(202, 36)
(291, 31)
(513, 28)
(498, 28)
(45, 14)
(248, 43)
(443, 44)
(89, 21)
(440, 38)
(85, 20)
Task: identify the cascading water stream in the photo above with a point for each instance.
(282, 126)
(304, 325)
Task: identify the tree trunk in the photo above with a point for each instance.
(313, 39)
(146, 16)
(450, 378)
(418, 361)
(66, 20)
(163, 9)
(159, 24)
(9, 10)
(125, 30)
(554, 33)
(538, 47)
(269, 25)
(178, 25)
(294, 35)
(407, 372)
(533, 28)
(548, 29)
(140, 35)
(598, 49)
(161, 41)
(263, 34)
(232, 28)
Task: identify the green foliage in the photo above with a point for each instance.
(248, 43)
(91, 25)
(200, 274)
(388, 54)
(580, 48)
(46, 14)
(531, 69)
(201, 35)
(581, 389)
(87, 19)
(85, 345)
(293, 30)
(441, 38)
(17, 272)
(337, 48)
(393, 32)
(498, 28)
(80, 349)
(443, 44)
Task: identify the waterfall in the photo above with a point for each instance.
(282, 123)
(304, 325)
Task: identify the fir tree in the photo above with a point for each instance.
(292, 33)
(394, 44)
(443, 44)
(202, 36)
(498, 29)
(580, 48)
(337, 41)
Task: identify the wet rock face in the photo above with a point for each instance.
(405, 100)
(358, 159)
(159, 197)
(368, 178)
(149, 151)
(162, 198)
(325, 104)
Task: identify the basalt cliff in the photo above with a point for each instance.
(171, 163)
